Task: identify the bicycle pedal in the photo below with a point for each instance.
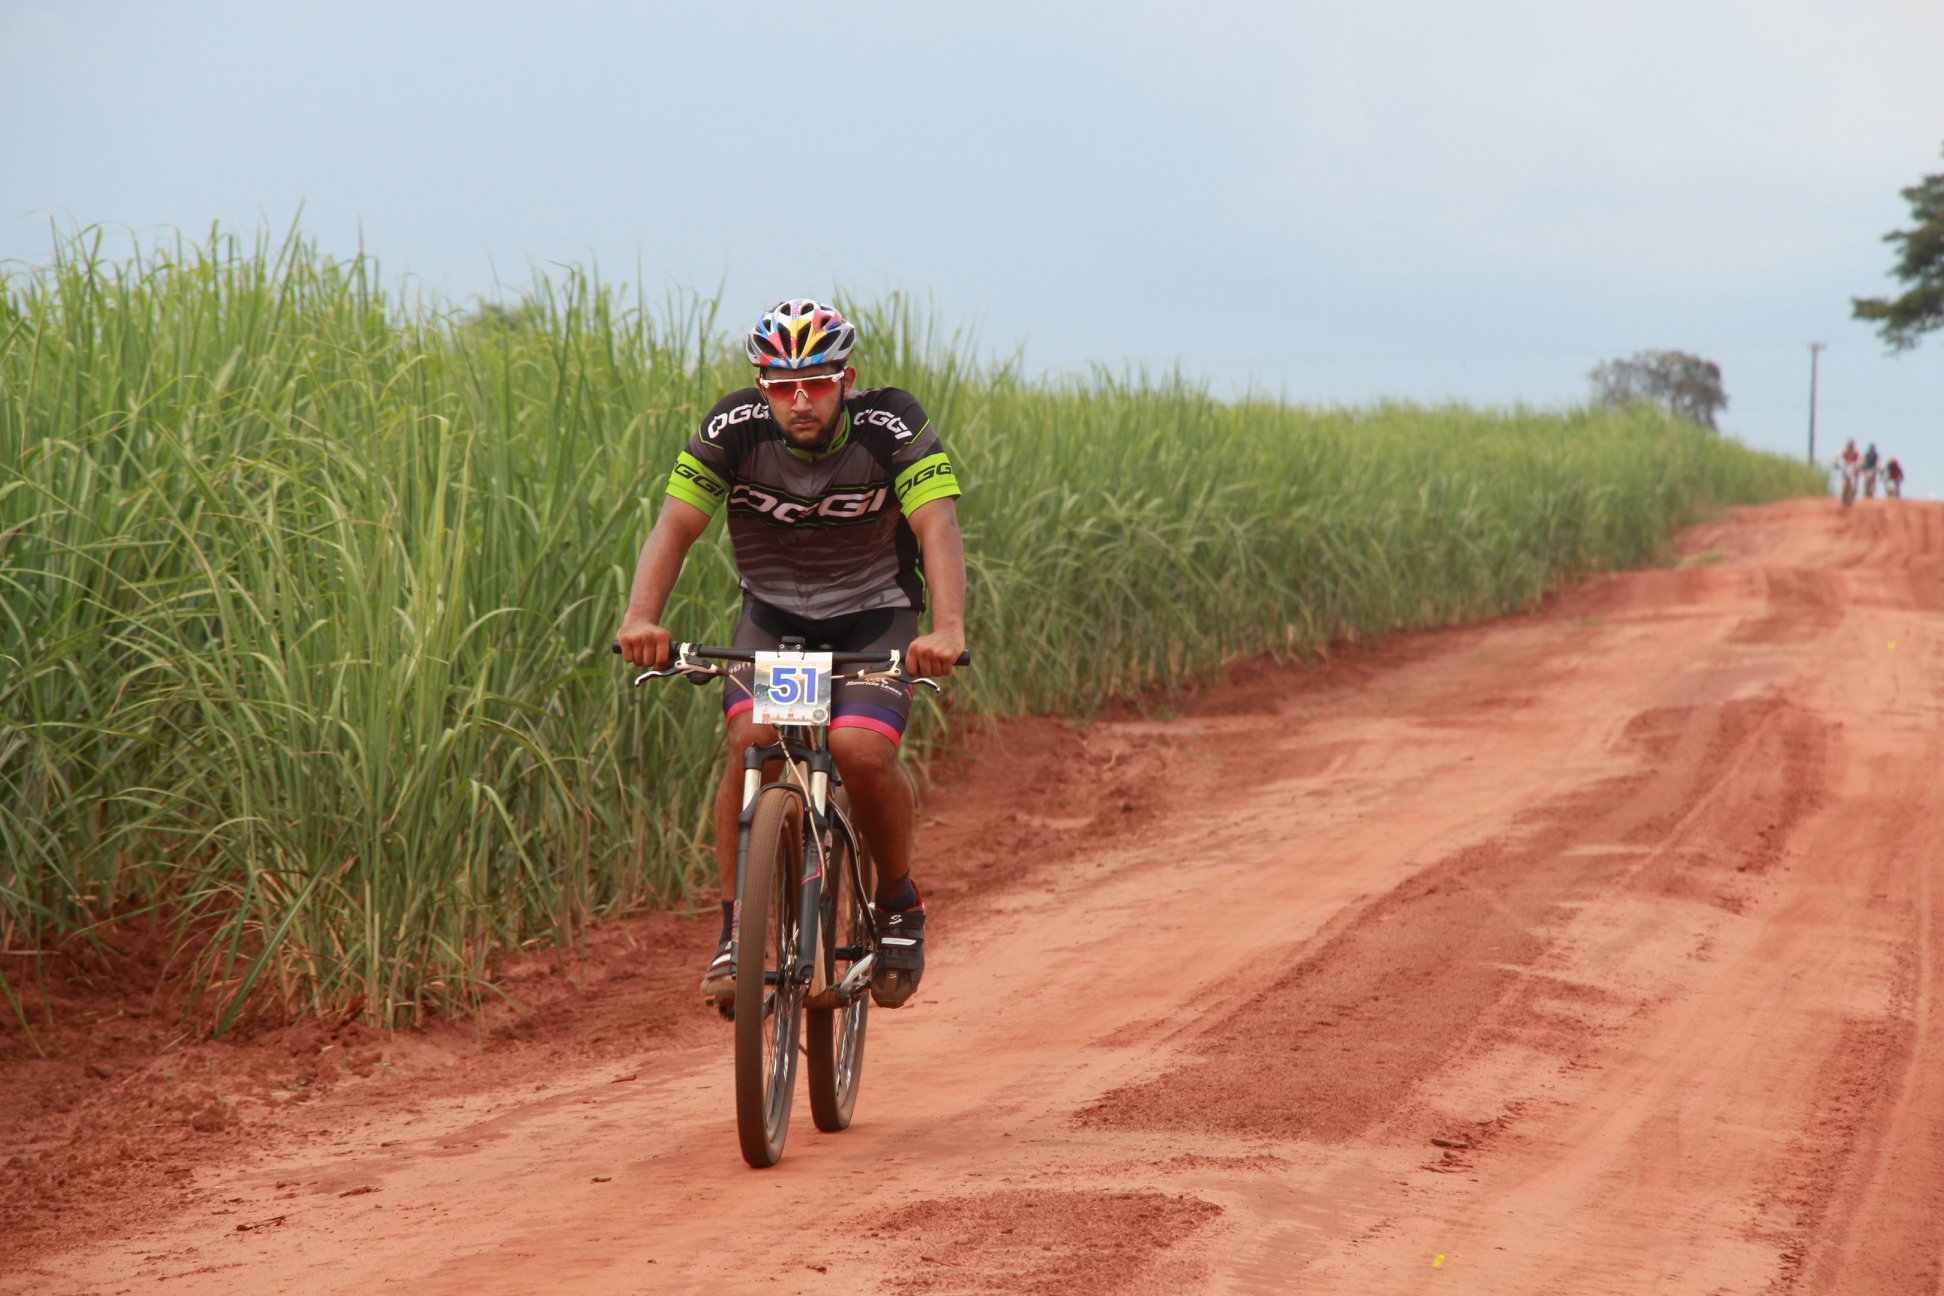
(727, 1007)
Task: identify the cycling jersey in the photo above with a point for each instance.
(820, 535)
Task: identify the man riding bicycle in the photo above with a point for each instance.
(1846, 464)
(841, 512)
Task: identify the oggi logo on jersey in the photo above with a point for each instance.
(890, 422)
(740, 414)
(844, 506)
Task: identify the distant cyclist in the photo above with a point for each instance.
(1847, 464)
(1893, 478)
(841, 506)
(1869, 467)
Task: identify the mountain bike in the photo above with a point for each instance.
(802, 911)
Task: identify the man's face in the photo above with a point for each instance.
(806, 403)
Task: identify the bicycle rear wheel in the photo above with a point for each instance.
(834, 1042)
(768, 1004)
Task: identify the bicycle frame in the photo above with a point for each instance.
(809, 772)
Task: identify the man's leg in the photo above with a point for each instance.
(881, 800)
(882, 803)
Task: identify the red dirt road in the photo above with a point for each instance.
(1591, 951)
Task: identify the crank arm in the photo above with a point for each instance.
(849, 990)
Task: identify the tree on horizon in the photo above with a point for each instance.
(1902, 321)
(1684, 385)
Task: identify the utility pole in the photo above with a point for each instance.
(1815, 352)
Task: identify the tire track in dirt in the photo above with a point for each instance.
(1869, 1222)
(1335, 1045)
(1721, 1130)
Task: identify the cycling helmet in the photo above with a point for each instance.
(799, 333)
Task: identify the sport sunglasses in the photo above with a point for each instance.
(813, 386)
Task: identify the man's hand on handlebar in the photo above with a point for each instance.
(934, 654)
(645, 644)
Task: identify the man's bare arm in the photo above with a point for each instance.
(936, 526)
(643, 640)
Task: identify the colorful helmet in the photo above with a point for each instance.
(800, 333)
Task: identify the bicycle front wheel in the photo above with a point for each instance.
(768, 1002)
(834, 1042)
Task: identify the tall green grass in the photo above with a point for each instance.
(305, 595)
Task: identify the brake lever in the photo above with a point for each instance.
(696, 672)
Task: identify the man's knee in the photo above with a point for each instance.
(863, 755)
(742, 735)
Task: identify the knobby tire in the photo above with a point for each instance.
(834, 1038)
(768, 1008)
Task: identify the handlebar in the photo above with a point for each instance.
(749, 654)
(688, 657)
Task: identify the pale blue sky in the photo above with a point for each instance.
(1339, 203)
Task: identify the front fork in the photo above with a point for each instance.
(809, 967)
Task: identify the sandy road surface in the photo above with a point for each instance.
(1590, 951)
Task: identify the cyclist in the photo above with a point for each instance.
(841, 508)
(1870, 471)
(1893, 478)
(1846, 464)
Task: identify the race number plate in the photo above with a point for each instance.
(792, 688)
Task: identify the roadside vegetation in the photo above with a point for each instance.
(306, 593)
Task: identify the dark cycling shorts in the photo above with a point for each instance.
(877, 705)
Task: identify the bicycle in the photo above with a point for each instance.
(814, 986)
